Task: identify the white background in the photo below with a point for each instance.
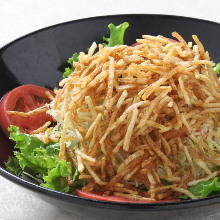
(19, 17)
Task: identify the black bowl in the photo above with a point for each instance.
(39, 58)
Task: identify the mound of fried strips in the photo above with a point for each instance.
(134, 118)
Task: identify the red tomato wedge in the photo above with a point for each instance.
(99, 196)
(24, 99)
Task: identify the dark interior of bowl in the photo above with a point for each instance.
(40, 58)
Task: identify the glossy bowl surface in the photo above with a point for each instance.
(40, 57)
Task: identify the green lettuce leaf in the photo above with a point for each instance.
(13, 166)
(69, 70)
(38, 161)
(33, 153)
(116, 35)
(217, 69)
(55, 178)
(205, 188)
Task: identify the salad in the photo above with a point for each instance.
(135, 123)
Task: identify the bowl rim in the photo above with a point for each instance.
(99, 203)
(108, 204)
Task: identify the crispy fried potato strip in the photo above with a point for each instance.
(140, 115)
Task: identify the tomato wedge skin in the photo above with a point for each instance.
(99, 196)
(24, 98)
